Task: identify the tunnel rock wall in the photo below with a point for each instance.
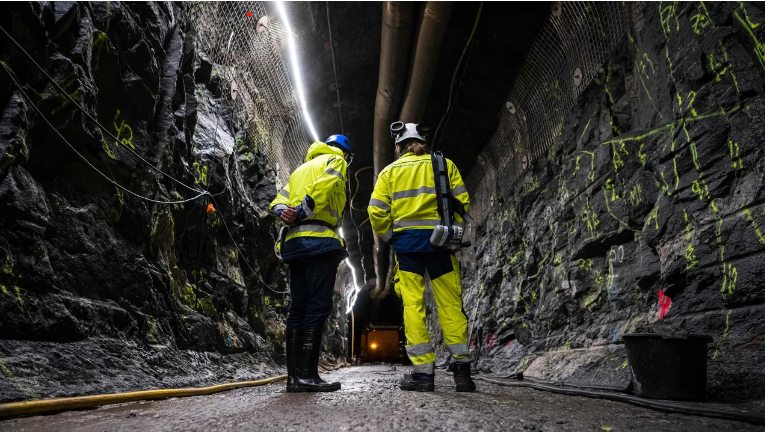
(646, 215)
(102, 291)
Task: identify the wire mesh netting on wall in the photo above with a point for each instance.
(567, 54)
(249, 53)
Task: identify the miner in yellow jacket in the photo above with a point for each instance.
(311, 205)
(403, 211)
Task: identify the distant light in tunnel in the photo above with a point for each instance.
(296, 69)
(373, 346)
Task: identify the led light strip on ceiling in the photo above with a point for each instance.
(304, 106)
(296, 69)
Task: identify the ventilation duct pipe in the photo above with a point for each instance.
(427, 49)
(431, 31)
(398, 22)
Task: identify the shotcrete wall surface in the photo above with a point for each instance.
(102, 291)
(646, 215)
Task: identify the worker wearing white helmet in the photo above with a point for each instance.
(419, 207)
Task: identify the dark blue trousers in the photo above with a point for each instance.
(312, 282)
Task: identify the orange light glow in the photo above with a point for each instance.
(373, 346)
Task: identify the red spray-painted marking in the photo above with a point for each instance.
(665, 302)
(491, 341)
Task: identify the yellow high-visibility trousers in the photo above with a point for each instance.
(444, 271)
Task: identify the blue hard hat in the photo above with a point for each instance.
(341, 141)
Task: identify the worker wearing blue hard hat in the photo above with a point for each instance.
(311, 205)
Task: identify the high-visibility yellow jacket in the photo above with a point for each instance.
(403, 210)
(318, 188)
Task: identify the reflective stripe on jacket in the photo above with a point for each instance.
(319, 186)
(403, 210)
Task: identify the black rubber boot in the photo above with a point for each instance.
(316, 334)
(290, 353)
(418, 382)
(307, 349)
(462, 377)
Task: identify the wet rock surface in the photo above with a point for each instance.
(370, 401)
(646, 215)
(102, 291)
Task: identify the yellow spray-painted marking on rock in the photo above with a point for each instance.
(531, 185)
(748, 214)
(126, 140)
(608, 207)
(571, 227)
(585, 264)
(701, 18)
(201, 173)
(730, 277)
(19, 298)
(690, 256)
(590, 219)
(718, 232)
(8, 265)
(539, 269)
(718, 68)
(610, 186)
(667, 11)
(636, 195)
(729, 273)
(734, 155)
(576, 168)
(586, 128)
(691, 100)
(725, 334)
(700, 188)
(743, 18)
(617, 160)
(725, 57)
(654, 215)
(121, 199)
(643, 66)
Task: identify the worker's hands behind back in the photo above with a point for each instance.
(288, 215)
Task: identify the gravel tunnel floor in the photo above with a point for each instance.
(370, 401)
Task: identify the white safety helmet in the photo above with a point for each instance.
(410, 131)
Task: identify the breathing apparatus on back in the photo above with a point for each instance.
(447, 234)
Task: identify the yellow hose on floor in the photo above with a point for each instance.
(15, 409)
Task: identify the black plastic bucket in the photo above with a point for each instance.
(668, 366)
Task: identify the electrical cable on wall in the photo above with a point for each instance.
(63, 92)
(454, 76)
(223, 219)
(356, 176)
(39, 112)
(212, 196)
(201, 193)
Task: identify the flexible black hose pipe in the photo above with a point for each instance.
(658, 405)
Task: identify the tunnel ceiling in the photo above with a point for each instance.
(503, 37)
(504, 34)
